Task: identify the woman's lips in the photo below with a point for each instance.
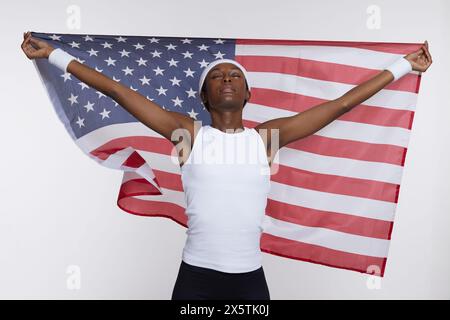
(227, 90)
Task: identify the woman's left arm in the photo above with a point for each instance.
(310, 121)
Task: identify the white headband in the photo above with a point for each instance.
(215, 63)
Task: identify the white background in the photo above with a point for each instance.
(58, 207)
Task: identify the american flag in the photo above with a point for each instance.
(332, 200)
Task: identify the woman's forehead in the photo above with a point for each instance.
(225, 66)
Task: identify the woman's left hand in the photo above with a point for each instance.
(421, 59)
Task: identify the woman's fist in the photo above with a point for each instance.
(34, 48)
(421, 59)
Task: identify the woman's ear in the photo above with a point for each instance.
(248, 95)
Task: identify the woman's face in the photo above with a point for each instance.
(225, 88)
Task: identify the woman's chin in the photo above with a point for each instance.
(229, 104)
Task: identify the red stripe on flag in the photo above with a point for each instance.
(169, 180)
(152, 208)
(354, 187)
(321, 255)
(134, 161)
(347, 223)
(137, 142)
(342, 148)
(137, 187)
(362, 113)
(396, 48)
(308, 180)
(320, 70)
(305, 179)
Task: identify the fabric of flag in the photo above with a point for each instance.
(332, 200)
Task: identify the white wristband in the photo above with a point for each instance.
(60, 59)
(400, 68)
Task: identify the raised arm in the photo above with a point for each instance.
(149, 113)
(310, 121)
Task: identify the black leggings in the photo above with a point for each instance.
(197, 283)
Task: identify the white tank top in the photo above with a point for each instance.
(226, 181)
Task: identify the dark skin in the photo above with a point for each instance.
(225, 95)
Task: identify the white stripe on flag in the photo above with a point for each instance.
(345, 167)
(325, 201)
(116, 159)
(338, 129)
(327, 238)
(351, 56)
(328, 90)
(100, 136)
(168, 195)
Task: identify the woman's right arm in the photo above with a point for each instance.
(149, 113)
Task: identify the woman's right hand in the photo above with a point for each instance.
(34, 48)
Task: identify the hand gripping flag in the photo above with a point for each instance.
(333, 198)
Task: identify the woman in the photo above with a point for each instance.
(225, 205)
